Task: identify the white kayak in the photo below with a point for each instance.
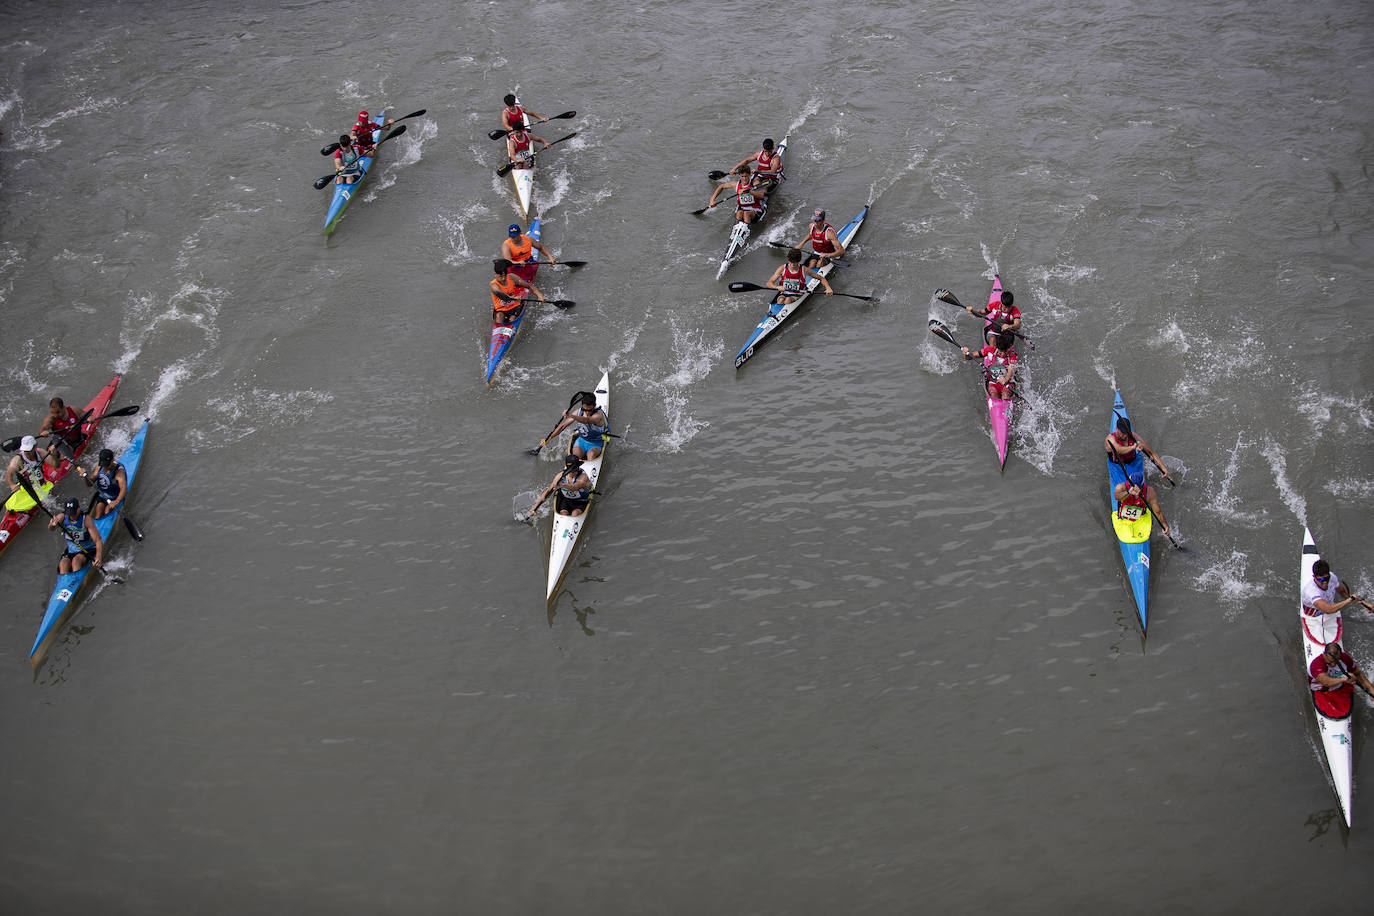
(523, 179)
(567, 528)
(1318, 630)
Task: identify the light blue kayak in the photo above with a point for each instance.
(1132, 534)
(503, 335)
(69, 585)
(344, 193)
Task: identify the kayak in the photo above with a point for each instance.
(567, 528)
(1000, 410)
(69, 585)
(20, 508)
(777, 314)
(523, 179)
(739, 232)
(503, 335)
(1132, 533)
(344, 193)
(1317, 631)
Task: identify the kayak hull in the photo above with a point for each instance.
(503, 335)
(344, 193)
(778, 314)
(1133, 535)
(740, 232)
(566, 528)
(64, 594)
(1315, 632)
(15, 519)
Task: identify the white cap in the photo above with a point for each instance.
(27, 444)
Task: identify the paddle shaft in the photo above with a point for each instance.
(333, 146)
(498, 134)
(510, 164)
(743, 286)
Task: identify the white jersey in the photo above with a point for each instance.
(1311, 592)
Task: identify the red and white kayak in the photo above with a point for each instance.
(1317, 630)
(1000, 410)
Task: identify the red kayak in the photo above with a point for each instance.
(15, 519)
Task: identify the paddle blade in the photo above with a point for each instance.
(497, 134)
(939, 330)
(11, 443)
(703, 210)
(64, 448)
(323, 180)
(716, 175)
(743, 286)
(131, 526)
(945, 295)
(121, 412)
(504, 170)
(413, 114)
(562, 303)
(565, 116)
(325, 151)
(572, 263)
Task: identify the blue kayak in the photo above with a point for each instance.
(1133, 534)
(69, 585)
(344, 193)
(503, 335)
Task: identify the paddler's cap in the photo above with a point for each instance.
(72, 507)
(105, 457)
(362, 117)
(1137, 479)
(514, 230)
(818, 216)
(27, 444)
(571, 460)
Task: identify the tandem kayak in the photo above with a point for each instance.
(344, 193)
(777, 314)
(69, 585)
(567, 528)
(523, 179)
(1000, 410)
(739, 232)
(20, 508)
(503, 335)
(1318, 629)
(1133, 534)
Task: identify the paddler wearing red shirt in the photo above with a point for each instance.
(520, 147)
(61, 421)
(1332, 676)
(999, 366)
(514, 113)
(825, 244)
(506, 297)
(748, 193)
(361, 132)
(518, 247)
(998, 318)
(767, 165)
(790, 279)
(1134, 491)
(1123, 443)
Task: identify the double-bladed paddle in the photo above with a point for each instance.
(506, 169)
(498, 134)
(742, 286)
(333, 146)
(545, 441)
(838, 262)
(556, 303)
(12, 443)
(326, 179)
(90, 553)
(946, 296)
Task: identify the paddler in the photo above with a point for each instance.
(825, 244)
(348, 166)
(361, 132)
(1332, 677)
(520, 147)
(574, 489)
(62, 421)
(1123, 445)
(518, 247)
(998, 318)
(514, 113)
(1135, 492)
(110, 482)
(748, 193)
(507, 298)
(767, 164)
(790, 279)
(82, 539)
(999, 366)
(591, 430)
(1325, 593)
(29, 462)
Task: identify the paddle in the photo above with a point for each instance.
(506, 169)
(333, 146)
(939, 330)
(89, 552)
(12, 443)
(545, 441)
(717, 174)
(498, 134)
(558, 264)
(1163, 473)
(742, 286)
(838, 262)
(714, 205)
(326, 179)
(945, 295)
(556, 303)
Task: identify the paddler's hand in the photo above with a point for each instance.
(828, 290)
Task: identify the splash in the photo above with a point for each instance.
(1227, 579)
(812, 106)
(405, 151)
(1290, 496)
(1223, 501)
(1050, 417)
(454, 229)
(693, 357)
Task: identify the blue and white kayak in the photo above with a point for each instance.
(69, 585)
(739, 232)
(344, 193)
(1133, 534)
(503, 335)
(777, 314)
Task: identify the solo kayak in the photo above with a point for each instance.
(1318, 629)
(503, 335)
(567, 528)
(20, 508)
(739, 232)
(344, 193)
(69, 585)
(1133, 524)
(777, 314)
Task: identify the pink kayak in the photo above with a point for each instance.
(1000, 410)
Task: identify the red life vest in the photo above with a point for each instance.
(66, 421)
(747, 199)
(820, 242)
(792, 282)
(767, 163)
(514, 116)
(1124, 457)
(520, 146)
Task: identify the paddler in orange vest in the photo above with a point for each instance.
(1134, 491)
(1123, 444)
(749, 194)
(517, 249)
(825, 244)
(520, 147)
(767, 166)
(790, 280)
(507, 298)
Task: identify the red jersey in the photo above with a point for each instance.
(748, 200)
(513, 116)
(1002, 315)
(820, 242)
(519, 146)
(793, 280)
(768, 163)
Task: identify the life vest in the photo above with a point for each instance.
(767, 163)
(347, 162)
(568, 491)
(1133, 507)
(748, 200)
(509, 287)
(591, 432)
(820, 242)
(520, 148)
(66, 422)
(105, 483)
(1124, 457)
(32, 468)
(996, 315)
(1336, 668)
(78, 538)
(520, 251)
(792, 282)
(515, 115)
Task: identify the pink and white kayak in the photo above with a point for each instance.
(1000, 410)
